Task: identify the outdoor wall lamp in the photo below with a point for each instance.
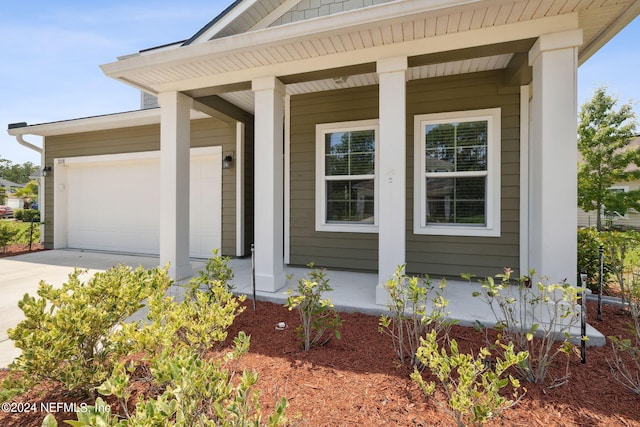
(227, 161)
(46, 170)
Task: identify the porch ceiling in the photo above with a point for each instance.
(349, 40)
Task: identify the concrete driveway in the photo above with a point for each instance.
(22, 274)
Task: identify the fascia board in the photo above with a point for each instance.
(98, 123)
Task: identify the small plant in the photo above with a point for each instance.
(199, 322)
(546, 311)
(67, 335)
(471, 384)
(626, 370)
(589, 241)
(8, 233)
(215, 273)
(318, 318)
(416, 307)
(197, 392)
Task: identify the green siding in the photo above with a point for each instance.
(204, 133)
(355, 251)
(435, 255)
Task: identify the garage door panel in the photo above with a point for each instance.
(205, 214)
(113, 205)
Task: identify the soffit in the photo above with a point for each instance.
(245, 99)
(380, 26)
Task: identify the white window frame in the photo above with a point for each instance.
(321, 202)
(492, 197)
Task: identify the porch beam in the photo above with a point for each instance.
(552, 156)
(175, 142)
(391, 159)
(269, 183)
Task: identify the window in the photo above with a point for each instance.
(457, 179)
(346, 190)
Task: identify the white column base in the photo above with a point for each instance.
(180, 272)
(269, 283)
(382, 294)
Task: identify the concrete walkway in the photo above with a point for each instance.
(352, 291)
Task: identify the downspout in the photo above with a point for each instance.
(21, 141)
(41, 207)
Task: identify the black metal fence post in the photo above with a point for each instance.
(253, 275)
(600, 279)
(583, 318)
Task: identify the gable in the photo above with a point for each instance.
(250, 15)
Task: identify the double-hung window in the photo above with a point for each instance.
(346, 190)
(457, 179)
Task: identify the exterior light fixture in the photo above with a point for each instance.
(46, 170)
(227, 161)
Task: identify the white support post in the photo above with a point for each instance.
(240, 173)
(391, 160)
(553, 156)
(175, 142)
(269, 183)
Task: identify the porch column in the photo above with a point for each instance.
(175, 142)
(391, 158)
(553, 189)
(269, 183)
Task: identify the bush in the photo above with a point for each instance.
(470, 383)
(589, 241)
(27, 215)
(215, 273)
(546, 311)
(67, 335)
(198, 322)
(318, 319)
(416, 307)
(195, 390)
(626, 370)
(8, 234)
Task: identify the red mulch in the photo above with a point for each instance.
(19, 249)
(357, 381)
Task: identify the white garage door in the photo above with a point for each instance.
(113, 202)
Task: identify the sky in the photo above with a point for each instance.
(51, 52)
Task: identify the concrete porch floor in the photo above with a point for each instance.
(353, 292)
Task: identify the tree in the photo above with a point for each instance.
(29, 193)
(18, 173)
(604, 134)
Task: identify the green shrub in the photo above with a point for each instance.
(547, 311)
(416, 307)
(626, 370)
(198, 322)
(8, 234)
(470, 383)
(28, 215)
(622, 253)
(67, 334)
(215, 273)
(589, 241)
(18, 214)
(318, 318)
(196, 392)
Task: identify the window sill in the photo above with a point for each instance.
(347, 228)
(446, 230)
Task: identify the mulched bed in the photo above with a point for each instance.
(19, 249)
(357, 381)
